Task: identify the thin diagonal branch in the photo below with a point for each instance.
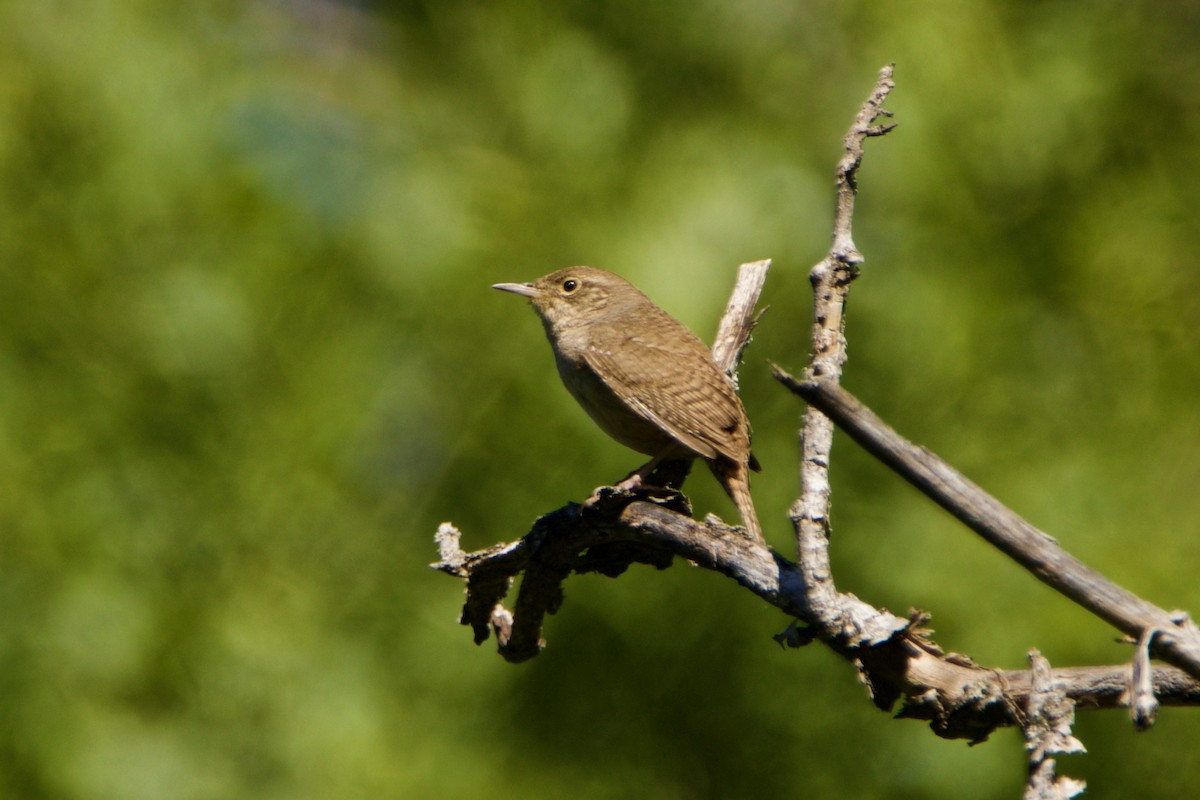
(1177, 640)
(896, 659)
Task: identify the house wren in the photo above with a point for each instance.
(646, 380)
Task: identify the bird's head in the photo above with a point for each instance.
(577, 296)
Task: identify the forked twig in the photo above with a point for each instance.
(896, 658)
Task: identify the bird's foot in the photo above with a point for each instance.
(627, 487)
(609, 496)
(613, 499)
(630, 483)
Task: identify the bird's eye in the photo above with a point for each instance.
(570, 285)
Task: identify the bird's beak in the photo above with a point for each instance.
(516, 288)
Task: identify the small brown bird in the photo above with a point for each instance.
(645, 379)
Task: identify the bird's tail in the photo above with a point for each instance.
(735, 479)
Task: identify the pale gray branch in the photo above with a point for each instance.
(1049, 715)
(1176, 639)
(831, 280)
(739, 319)
(959, 699)
(896, 659)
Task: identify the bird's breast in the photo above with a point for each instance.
(609, 410)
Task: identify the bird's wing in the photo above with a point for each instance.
(679, 390)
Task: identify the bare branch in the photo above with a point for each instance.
(1143, 706)
(895, 659)
(831, 280)
(1049, 716)
(739, 318)
(843, 251)
(1177, 641)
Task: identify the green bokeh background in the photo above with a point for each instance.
(249, 360)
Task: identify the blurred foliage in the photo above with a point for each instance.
(249, 360)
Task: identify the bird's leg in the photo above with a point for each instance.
(639, 475)
(631, 481)
(671, 473)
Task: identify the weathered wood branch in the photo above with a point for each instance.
(959, 699)
(739, 319)
(896, 658)
(1176, 639)
(831, 279)
(1049, 715)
